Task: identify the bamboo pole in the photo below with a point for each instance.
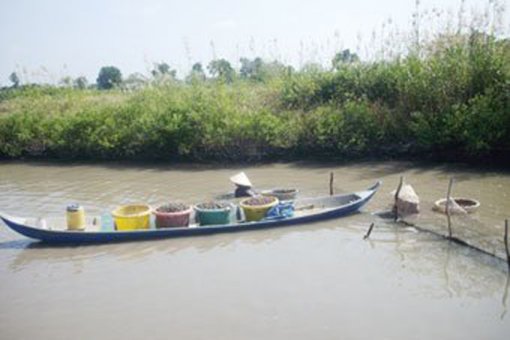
(367, 235)
(506, 243)
(400, 184)
(331, 180)
(447, 207)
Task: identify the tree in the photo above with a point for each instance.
(14, 79)
(259, 70)
(252, 69)
(221, 69)
(196, 74)
(163, 69)
(344, 57)
(109, 76)
(80, 83)
(197, 67)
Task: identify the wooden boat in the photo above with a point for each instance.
(53, 230)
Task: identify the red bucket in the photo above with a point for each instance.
(172, 219)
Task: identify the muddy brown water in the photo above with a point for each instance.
(318, 280)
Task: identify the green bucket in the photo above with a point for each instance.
(208, 216)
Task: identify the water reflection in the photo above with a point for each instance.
(31, 252)
(504, 299)
(449, 290)
(457, 270)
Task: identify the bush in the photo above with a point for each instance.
(351, 130)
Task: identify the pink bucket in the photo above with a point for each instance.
(172, 219)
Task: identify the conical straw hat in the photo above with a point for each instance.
(241, 179)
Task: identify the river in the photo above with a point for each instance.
(319, 280)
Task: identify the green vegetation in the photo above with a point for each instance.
(452, 99)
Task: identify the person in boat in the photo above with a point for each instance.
(243, 185)
(244, 191)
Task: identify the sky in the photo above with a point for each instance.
(45, 40)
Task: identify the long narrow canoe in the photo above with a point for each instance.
(306, 210)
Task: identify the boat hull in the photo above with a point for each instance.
(81, 237)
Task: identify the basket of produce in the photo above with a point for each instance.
(281, 194)
(210, 213)
(460, 204)
(172, 215)
(132, 217)
(256, 208)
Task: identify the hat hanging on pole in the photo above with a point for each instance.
(241, 179)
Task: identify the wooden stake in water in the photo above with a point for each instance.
(331, 179)
(447, 207)
(506, 243)
(396, 196)
(367, 235)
